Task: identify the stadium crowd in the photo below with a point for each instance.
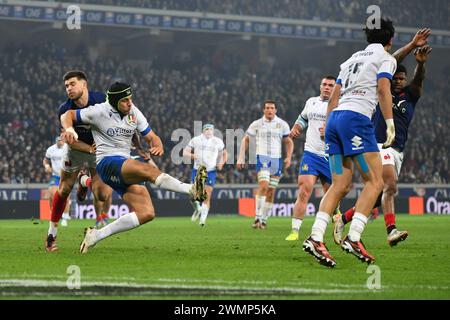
(433, 13)
(208, 86)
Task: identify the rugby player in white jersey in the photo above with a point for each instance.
(314, 162)
(364, 80)
(113, 124)
(53, 163)
(208, 150)
(271, 132)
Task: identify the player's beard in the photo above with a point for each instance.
(77, 96)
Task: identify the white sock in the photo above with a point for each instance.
(266, 210)
(296, 224)
(126, 222)
(65, 215)
(260, 200)
(83, 180)
(320, 225)
(195, 205)
(168, 182)
(204, 210)
(53, 228)
(357, 226)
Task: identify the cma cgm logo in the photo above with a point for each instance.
(112, 132)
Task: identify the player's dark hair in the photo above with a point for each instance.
(401, 68)
(269, 101)
(328, 77)
(80, 75)
(381, 35)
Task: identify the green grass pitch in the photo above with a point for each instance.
(173, 258)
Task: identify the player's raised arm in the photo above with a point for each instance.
(67, 121)
(421, 55)
(155, 144)
(420, 39)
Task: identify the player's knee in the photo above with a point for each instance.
(378, 184)
(342, 189)
(304, 193)
(64, 190)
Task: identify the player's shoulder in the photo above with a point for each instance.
(66, 105)
(281, 121)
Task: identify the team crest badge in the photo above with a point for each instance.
(305, 167)
(131, 119)
(278, 126)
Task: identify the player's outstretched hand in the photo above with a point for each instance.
(421, 37)
(390, 133)
(421, 54)
(156, 151)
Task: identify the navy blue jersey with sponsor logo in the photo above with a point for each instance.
(83, 130)
(404, 104)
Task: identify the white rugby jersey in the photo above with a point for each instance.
(206, 150)
(359, 76)
(269, 135)
(112, 133)
(55, 154)
(314, 115)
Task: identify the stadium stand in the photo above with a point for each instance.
(205, 85)
(433, 13)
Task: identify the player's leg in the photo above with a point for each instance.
(268, 204)
(204, 209)
(260, 197)
(342, 173)
(370, 168)
(59, 203)
(390, 179)
(136, 197)
(134, 172)
(195, 204)
(84, 184)
(102, 197)
(306, 184)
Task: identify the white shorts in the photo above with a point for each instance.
(390, 156)
(74, 160)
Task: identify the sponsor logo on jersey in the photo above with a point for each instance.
(118, 132)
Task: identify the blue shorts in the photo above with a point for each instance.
(54, 181)
(110, 170)
(273, 165)
(210, 180)
(349, 133)
(315, 165)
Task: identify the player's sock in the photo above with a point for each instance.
(389, 221)
(357, 226)
(86, 181)
(126, 222)
(266, 210)
(320, 225)
(196, 205)
(204, 210)
(168, 182)
(58, 207)
(260, 200)
(66, 216)
(296, 224)
(348, 215)
(53, 229)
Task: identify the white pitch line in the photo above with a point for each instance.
(21, 283)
